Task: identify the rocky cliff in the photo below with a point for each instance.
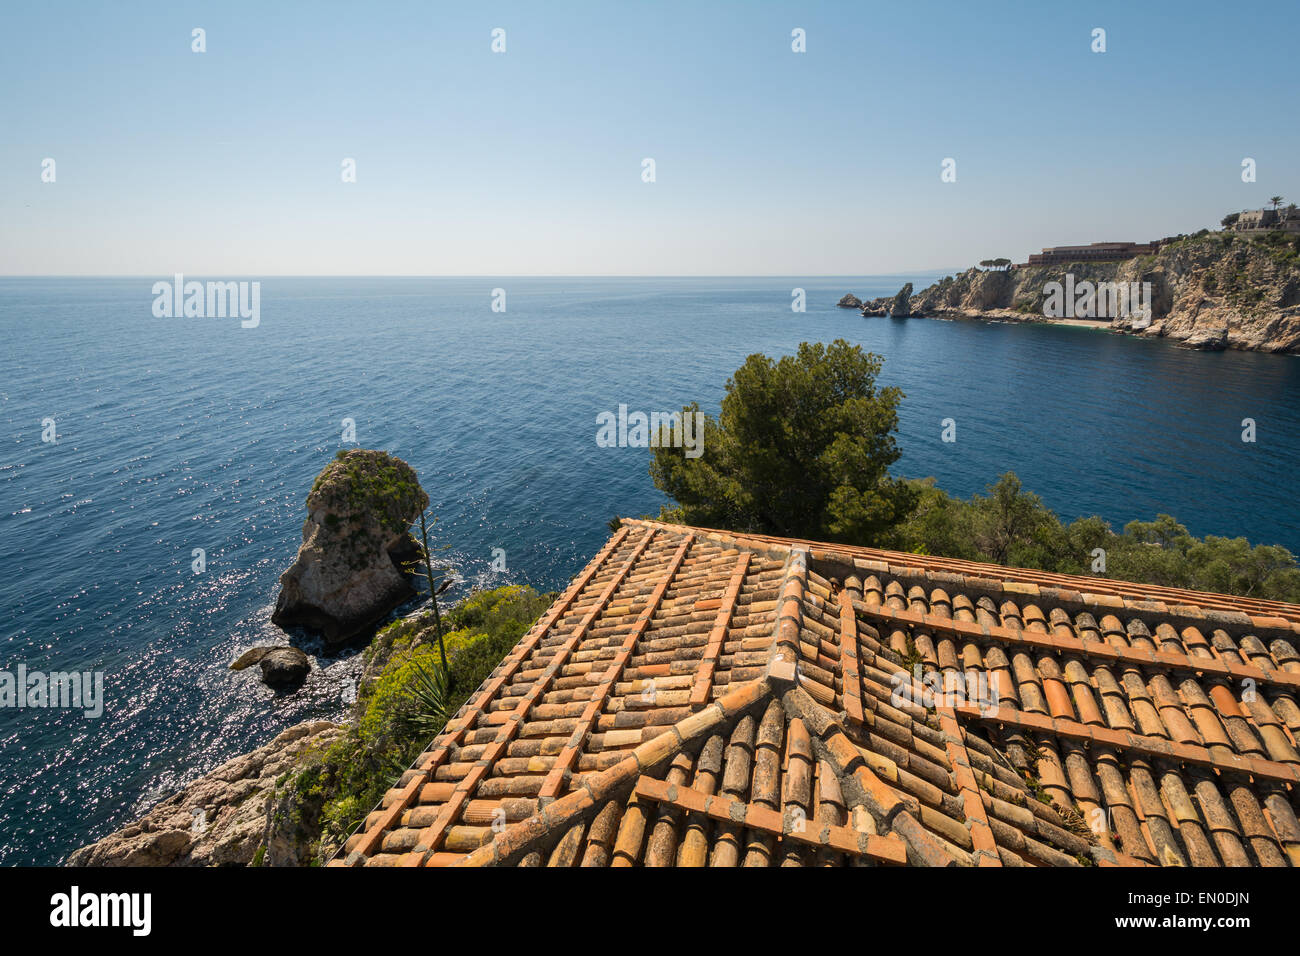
(223, 818)
(1210, 291)
(249, 811)
(349, 570)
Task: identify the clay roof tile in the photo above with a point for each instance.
(697, 697)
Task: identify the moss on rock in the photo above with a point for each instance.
(350, 571)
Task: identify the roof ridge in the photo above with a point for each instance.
(578, 806)
(892, 813)
(860, 785)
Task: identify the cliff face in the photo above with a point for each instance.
(1214, 291)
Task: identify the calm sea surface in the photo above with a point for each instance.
(176, 434)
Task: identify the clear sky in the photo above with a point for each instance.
(768, 162)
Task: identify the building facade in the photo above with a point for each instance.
(1268, 220)
(1095, 252)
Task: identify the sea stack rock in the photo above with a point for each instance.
(349, 573)
(849, 301)
(900, 308)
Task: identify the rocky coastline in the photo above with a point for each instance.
(1210, 291)
(225, 818)
(348, 575)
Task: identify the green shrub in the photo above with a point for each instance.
(334, 790)
(1012, 526)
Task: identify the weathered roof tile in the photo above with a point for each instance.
(702, 698)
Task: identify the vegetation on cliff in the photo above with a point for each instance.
(293, 801)
(803, 448)
(333, 789)
(361, 480)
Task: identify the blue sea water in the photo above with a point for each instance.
(176, 434)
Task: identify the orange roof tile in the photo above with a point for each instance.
(701, 698)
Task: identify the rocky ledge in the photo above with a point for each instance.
(222, 818)
(1208, 291)
(350, 572)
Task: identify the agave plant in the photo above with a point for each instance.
(431, 693)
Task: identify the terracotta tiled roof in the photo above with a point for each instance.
(697, 697)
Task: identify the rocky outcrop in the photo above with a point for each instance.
(1208, 291)
(221, 819)
(281, 666)
(849, 301)
(349, 572)
(897, 305)
(900, 307)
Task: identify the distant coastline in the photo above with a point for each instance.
(1234, 289)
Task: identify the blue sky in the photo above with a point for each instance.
(768, 162)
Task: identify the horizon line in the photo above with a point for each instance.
(486, 275)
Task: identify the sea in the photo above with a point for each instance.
(133, 445)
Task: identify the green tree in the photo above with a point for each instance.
(1082, 538)
(802, 448)
(1011, 521)
(1276, 201)
(938, 525)
(1230, 220)
(1163, 552)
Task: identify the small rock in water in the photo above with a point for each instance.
(284, 666)
(249, 658)
(281, 666)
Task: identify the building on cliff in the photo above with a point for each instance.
(1268, 220)
(1095, 252)
(698, 697)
